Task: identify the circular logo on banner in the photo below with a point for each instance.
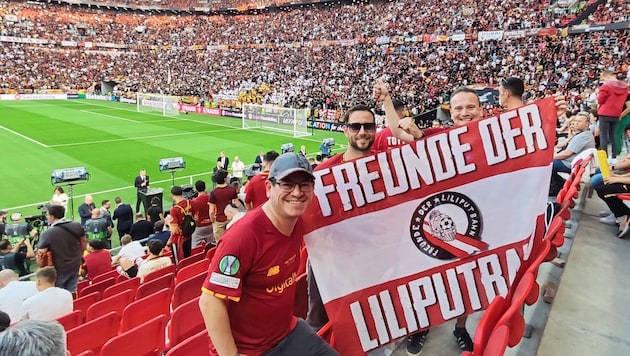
(229, 265)
(447, 225)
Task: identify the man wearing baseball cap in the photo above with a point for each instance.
(248, 295)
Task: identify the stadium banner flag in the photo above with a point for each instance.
(406, 239)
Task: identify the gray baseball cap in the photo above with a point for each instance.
(289, 163)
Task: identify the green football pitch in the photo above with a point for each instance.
(113, 142)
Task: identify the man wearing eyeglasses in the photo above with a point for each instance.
(248, 295)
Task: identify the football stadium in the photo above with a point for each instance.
(460, 166)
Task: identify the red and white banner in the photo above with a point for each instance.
(409, 238)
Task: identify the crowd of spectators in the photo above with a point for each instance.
(213, 55)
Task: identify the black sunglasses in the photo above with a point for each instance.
(356, 126)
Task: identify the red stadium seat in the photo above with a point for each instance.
(193, 346)
(116, 303)
(149, 307)
(190, 260)
(147, 288)
(487, 323)
(326, 334)
(512, 317)
(110, 274)
(187, 290)
(159, 273)
(143, 340)
(498, 341)
(81, 285)
(71, 320)
(128, 283)
(192, 270)
(83, 303)
(98, 287)
(93, 334)
(186, 321)
(198, 249)
(300, 307)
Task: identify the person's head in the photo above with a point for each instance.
(155, 247)
(58, 190)
(96, 245)
(45, 278)
(96, 213)
(177, 192)
(360, 129)
(607, 76)
(118, 200)
(7, 276)
(143, 172)
(5, 245)
(106, 204)
(289, 186)
(34, 338)
(89, 199)
(236, 159)
(125, 239)
(158, 226)
(302, 148)
(16, 217)
(200, 186)
(511, 91)
(581, 121)
(436, 123)
(222, 154)
(56, 212)
(269, 158)
(465, 106)
(220, 176)
(3, 215)
(400, 108)
(5, 321)
(155, 201)
(139, 216)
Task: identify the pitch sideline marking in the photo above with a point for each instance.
(25, 137)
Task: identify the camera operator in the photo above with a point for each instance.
(19, 229)
(14, 256)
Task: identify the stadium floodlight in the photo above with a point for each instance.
(285, 120)
(287, 147)
(168, 105)
(69, 176)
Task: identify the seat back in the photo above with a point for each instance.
(116, 303)
(159, 273)
(130, 283)
(196, 345)
(210, 253)
(192, 270)
(300, 307)
(498, 341)
(487, 323)
(185, 322)
(71, 320)
(190, 260)
(101, 277)
(98, 287)
(147, 288)
(146, 308)
(143, 340)
(198, 249)
(93, 334)
(83, 303)
(81, 285)
(512, 316)
(188, 290)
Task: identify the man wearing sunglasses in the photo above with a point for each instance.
(249, 293)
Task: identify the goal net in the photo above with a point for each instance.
(167, 105)
(286, 120)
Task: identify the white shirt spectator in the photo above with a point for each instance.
(13, 295)
(149, 265)
(48, 304)
(237, 168)
(132, 251)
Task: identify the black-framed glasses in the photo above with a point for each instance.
(289, 186)
(356, 126)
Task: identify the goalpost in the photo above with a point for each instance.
(286, 120)
(167, 105)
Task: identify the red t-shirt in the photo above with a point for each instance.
(98, 262)
(178, 212)
(221, 197)
(200, 205)
(255, 191)
(255, 269)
